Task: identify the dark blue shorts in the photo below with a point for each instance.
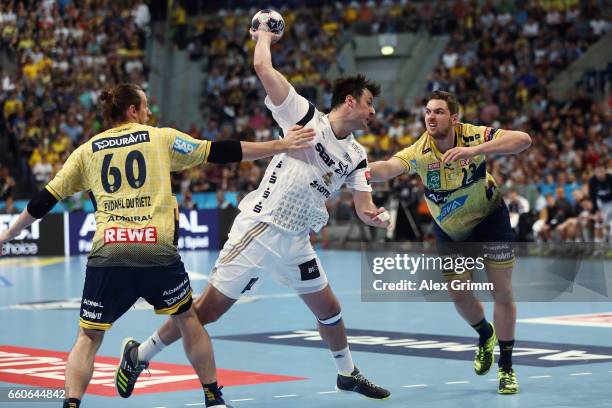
(491, 239)
(110, 291)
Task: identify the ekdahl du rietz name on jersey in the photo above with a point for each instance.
(130, 202)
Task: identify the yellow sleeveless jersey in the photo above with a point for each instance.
(127, 171)
(460, 194)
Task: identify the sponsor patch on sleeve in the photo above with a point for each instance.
(183, 146)
(489, 134)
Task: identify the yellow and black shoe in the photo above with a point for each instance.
(129, 368)
(483, 361)
(507, 382)
(213, 397)
(356, 382)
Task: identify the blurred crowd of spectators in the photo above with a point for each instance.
(66, 52)
(499, 60)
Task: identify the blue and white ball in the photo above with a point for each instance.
(268, 20)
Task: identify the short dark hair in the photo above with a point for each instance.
(118, 99)
(451, 100)
(354, 86)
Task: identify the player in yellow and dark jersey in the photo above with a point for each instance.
(467, 207)
(127, 169)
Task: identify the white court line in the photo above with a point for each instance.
(456, 382)
(577, 374)
(285, 396)
(292, 295)
(242, 399)
(540, 376)
(195, 404)
(327, 392)
(414, 386)
(492, 379)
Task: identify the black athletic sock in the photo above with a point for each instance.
(484, 329)
(212, 393)
(505, 357)
(72, 403)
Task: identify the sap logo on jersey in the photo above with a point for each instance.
(451, 207)
(117, 235)
(183, 146)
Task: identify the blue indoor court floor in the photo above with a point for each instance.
(269, 355)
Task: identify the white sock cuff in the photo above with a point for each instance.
(344, 361)
(150, 347)
(157, 341)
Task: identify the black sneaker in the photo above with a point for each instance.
(356, 382)
(129, 367)
(214, 398)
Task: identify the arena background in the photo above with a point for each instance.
(544, 67)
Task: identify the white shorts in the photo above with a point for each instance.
(255, 250)
(606, 210)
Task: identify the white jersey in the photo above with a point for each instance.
(294, 189)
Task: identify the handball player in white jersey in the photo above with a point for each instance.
(270, 236)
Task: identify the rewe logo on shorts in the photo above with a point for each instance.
(118, 235)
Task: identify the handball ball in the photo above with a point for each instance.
(268, 20)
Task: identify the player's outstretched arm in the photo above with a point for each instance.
(297, 138)
(275, 84)
(368, 212)
(37, 208)
(387, 169)
(510, 142)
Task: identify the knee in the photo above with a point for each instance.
(208, 315)
(90, 337)
(460, 296)
(330, 311)
(502, 296)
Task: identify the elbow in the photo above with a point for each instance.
(525, 140)
(261, 67)
(522, 141)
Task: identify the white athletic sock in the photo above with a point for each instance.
(344, 361)
(149, 348)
